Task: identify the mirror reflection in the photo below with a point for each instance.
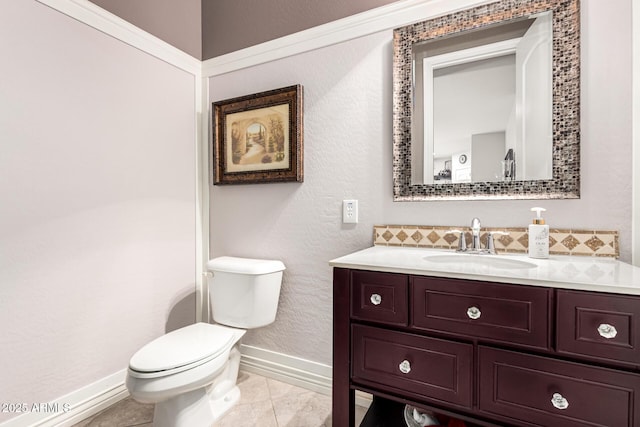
(483, 104)
(486, 103)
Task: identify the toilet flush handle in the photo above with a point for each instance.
(207, 274)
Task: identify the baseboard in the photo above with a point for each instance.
(293, 370)
(75, 406)
(288, 369)
(87, 401)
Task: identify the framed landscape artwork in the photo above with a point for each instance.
(259, 138)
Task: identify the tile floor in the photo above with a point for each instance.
(265, 403)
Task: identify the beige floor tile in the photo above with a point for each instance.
(253, 388)
(264, 402)
(360, 413)
(278, 389)
(303, 410)
(123, 414)
(259, 413)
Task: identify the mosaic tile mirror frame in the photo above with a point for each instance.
(565, 181)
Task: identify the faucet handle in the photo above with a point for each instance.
(490, 243)
(462, 243)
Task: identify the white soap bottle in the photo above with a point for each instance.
(538, 236)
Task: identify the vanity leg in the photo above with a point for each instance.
(343, 403)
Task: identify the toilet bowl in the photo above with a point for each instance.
(190, 373)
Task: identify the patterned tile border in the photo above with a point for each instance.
(602, 243)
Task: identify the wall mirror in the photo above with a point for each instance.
(486, 103)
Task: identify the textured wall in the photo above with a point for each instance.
(230, 25)
(347, 101)
(97, 211)
(348, 155)
(176, 22)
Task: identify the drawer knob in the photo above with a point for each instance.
(473, 313)
(376, 299)
(607, 331)
(559, 402)
(405, 367)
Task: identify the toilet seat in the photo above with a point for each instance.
(183, 349)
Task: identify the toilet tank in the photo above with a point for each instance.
(244, 292)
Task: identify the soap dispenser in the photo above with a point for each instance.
(538, 236)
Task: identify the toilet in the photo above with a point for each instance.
(190, 373)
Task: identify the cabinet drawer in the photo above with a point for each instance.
(379, 297)
(601, 326)
(507, 313)
(413, 364)
(546, 392)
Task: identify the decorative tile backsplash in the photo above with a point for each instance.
(602, 243)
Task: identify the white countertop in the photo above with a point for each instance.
(568, 272)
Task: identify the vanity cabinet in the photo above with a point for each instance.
(420, 366)
(601, 327)
(492, 354)
(545, 391)
(501, 313)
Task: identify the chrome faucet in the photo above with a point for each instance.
(476, 246)
(475, 234)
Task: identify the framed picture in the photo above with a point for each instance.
(258, 138)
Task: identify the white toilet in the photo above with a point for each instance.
(190, 373)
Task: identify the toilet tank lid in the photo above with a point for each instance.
(251, 266)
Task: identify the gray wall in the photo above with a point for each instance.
(348, 128)
(208, 28)
(230, 25)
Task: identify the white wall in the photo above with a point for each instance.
(348, 147)
(97, 202)
(636, 134)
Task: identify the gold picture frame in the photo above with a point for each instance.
(258, 138)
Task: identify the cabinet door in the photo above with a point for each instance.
(413, 365)
(601, 326)
(379, 297)
(499, 312)
(548, 392)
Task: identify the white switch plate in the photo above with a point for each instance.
(350, 211)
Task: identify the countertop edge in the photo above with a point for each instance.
(627, 285)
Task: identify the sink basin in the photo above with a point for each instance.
(485, 260)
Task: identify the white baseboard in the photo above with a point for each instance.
(289, 369)
(292, 370)
(75, 406)
(87, 401)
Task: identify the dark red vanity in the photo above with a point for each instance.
(487, 352)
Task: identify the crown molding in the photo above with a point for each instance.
(88, 13)
(386, 17)
(383, 18)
